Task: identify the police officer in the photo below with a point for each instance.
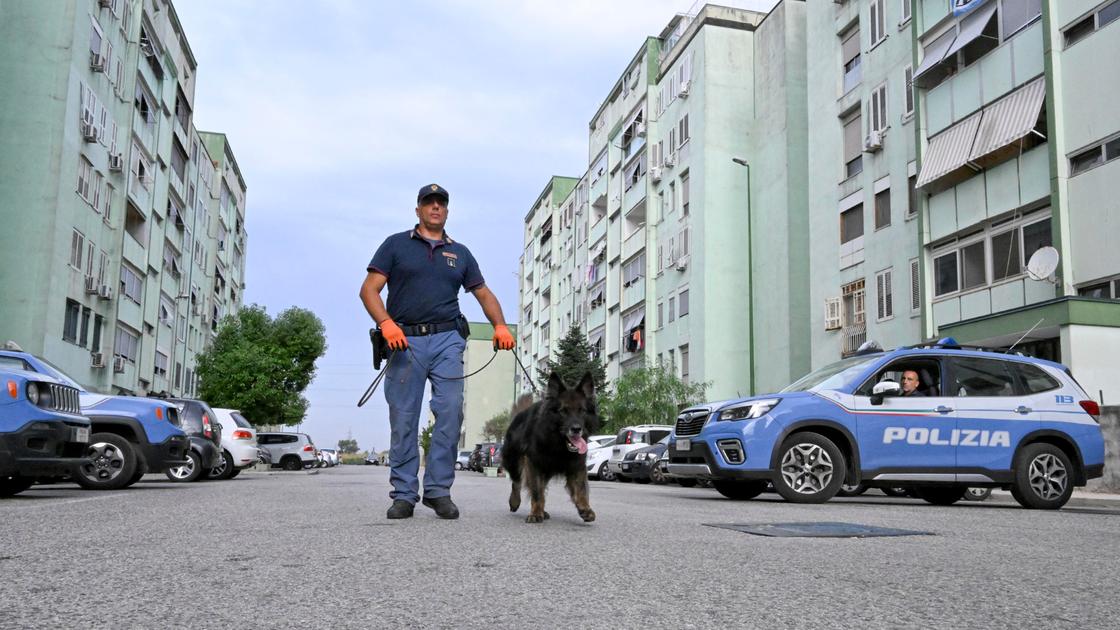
(910, 384)
(424, 269)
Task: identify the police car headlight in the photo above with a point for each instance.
(33, 393)
(749, 410)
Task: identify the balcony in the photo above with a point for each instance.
(597, 231)
(634, 294)
(596, 317)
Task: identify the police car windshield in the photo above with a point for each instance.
(832, 376)
(51, 370)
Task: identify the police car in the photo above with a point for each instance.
(976, 419)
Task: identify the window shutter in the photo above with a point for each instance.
(915, 286)
(832, 313)
(880, 296)
(888, 299)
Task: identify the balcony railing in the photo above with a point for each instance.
(854, 336)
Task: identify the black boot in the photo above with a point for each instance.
(399, 509)
(443, 506)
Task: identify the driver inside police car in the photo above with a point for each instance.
(424, 268)
(911, 384)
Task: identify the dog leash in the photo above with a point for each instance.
(526, 372)
(381, 375)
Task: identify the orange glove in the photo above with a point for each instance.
(503, 339)
(393, 334)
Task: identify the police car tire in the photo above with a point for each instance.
(1021, 486)
(852, 491)
(123, 474)
(14, 484)
(739, 490)
(839, 468)
(940, 495)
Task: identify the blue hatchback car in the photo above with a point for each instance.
(938, 418)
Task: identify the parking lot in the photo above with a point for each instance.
(291, 549)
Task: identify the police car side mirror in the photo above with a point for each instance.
(883, 389)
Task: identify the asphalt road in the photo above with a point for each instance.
(303, 549)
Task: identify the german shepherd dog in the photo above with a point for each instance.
(550, 439)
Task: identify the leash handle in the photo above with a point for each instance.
(526, 372)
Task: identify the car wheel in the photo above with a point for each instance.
(14, 484)
(977, 494)
(111, 463)
(136, 476)
(896, 492)
(940, 495)
(811, 468)
(458, 466)
(605, 473)
(687, 483)
(187, 472)
(656, 476)
(852, 490)
(1042, 477)
(291, 462)
(739, 490)
(223, 470)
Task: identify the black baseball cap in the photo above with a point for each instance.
(432, 189)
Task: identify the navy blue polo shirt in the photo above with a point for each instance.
(424, 276)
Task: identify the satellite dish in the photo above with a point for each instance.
(1042, 264)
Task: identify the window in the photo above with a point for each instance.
(972, 376)
(179, 377)
(98, 322)
(132, 286)
(107, 202)
(973, 272)
(1005, 252)
(634, 270)
(682, 130)
(905, 12)
(660, 314)
(1094, 156)
(915, 286)
(850, 59)
(161, 364)
(684, 193)
(95, 191)
(908, 82)
(1033, 379)
(102, 267)
(945, 279)
(95, 37)
(884, 294)
(851, 223)
(911, 184)
(178, 159)
(684, 363)
(853, 147)
(1091, 23)
(878, 106)
(672, 197)
(84, 175)
(1006, 259)
(70, 323)
(126, 344)
(91, 251)
(143, 104)
(77, 248)
(166, 310)
(882, 208)
(878, 22)
(672, 309)
(83, 336)
(682, 301)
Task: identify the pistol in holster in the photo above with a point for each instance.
(380, 347)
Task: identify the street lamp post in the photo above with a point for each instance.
(750, 272)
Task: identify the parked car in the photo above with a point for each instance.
(488, 454)
(129, 436)
(330, 457)
(641, 464)
(263, 456)
(979, 419)
(205, 432)
(635, 437)
(290, 451)
(373, 460)
(598, 452)
(42, 430)
(462, 460)
(239, 444)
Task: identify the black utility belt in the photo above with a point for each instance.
(419, 330)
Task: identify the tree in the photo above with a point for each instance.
(574, 359)
(650, 394)
(495, 428)
(426, 439)
(262, 365)
(348, 447)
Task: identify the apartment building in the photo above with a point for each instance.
(1017, 135)
(489, 392)
(114, 255)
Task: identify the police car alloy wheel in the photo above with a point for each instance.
(1042, 477)
(111, 463)
(811, 468)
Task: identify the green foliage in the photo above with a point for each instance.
(262, 365)
(353, 458)
(348, 447)
(648, 395)
(495, 428)
(574, 359)
(426, 437)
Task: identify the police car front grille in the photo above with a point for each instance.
(690, 423)
(65, 399)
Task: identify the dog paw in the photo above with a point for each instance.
(587, 515)
(533, 518)
(546, 515)
(513, 505)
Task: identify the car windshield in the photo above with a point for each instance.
(832, 376)
(51, 370)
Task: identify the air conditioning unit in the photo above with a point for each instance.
(96, 62)
(640, 129)
(116, 162)
(655, 173)
(671, 159)
(681, 263)
(105, 292)
(118, 364)
(97, 360)
(683, 92)
(89, 131)
(874, 141)
(91, 285)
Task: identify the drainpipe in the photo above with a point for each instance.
(750, 273)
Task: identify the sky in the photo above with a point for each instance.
(338, 111)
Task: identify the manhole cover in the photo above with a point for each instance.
(816, 530)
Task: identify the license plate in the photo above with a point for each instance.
(684, 444)
(626, 466)
(81, 434)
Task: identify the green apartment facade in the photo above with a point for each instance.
(125, 238)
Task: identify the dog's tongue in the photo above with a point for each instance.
(578, 442)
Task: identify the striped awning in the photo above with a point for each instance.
(949, 150)
(972, 25)
(1009, 119)
(594, 338)
(633, 319)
